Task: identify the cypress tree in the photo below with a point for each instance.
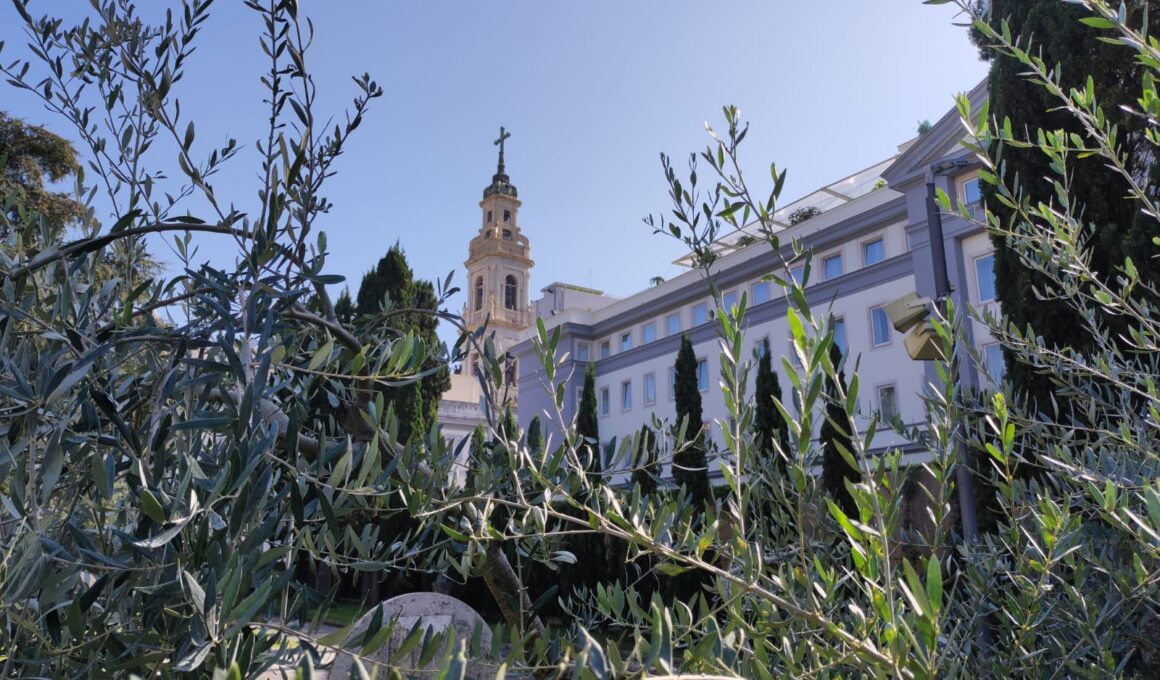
(689, 465)
(344, 307)
(644, 468)
(1117, 227)
(587, 425)
(835, 438)
(768, 422)
(392, 279)
(534, 438)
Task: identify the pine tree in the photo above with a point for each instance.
(645, 466)
(32, 155)
(835, 436)
(1118, 229)
(768, 422)
(587, 425)
(690, 469)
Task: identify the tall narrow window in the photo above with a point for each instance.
(626, 396)
(648, 332)
(509, 292)
(993, 362)
(625, 341)
(673, 324)
(873, 252)
(985, 273)
(887, 403)
(605, 349)
(605, 408)
(703, 375)
(582, 351)
(507, 216)
(650, 389)
(478, 293)
(840, 335)
(879, 326)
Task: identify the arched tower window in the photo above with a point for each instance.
(509, 376)
(478, 293)
(509, 292)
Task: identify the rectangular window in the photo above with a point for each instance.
(972, 192)
(605, 349)
(985, 276)
(650, 389)
(993, 363)
(887, 403)
(672, 383)
(582, 351)
(626, 395)
(730, 300)
(879, 326)
(832, 267)
(760, 292)
(605, 398)
(648, 333)
(840, 335)
(702, 375)
(626, 341)
(673, 324)
(873, 252)
(700, 314)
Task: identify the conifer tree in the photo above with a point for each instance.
(587, 425)
(768, 422)
(392, 280)
(689, 465)
(344, 307)
(535, 439)
(1117, 228)
(835, 436)
(644, 468)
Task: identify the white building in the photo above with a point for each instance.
(870, 245)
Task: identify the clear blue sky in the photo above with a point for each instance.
(591, 92)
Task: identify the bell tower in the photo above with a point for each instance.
(498, 265)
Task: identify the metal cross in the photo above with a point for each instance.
(503, 134)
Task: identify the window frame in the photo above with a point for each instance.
(961, 183)
(840, 322)
(704, 308)
(878, 389)
(826, 259)
(583, 351)
(644, 332)
(702, 372)
(650, 377)
(625, 396)
(987, 368)
(874, 343)
(626, 341)
(878, 239)
(979, 280)
(605, 398)
(725, 304)
(669, 332)
(761, 285)
(605, 349)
